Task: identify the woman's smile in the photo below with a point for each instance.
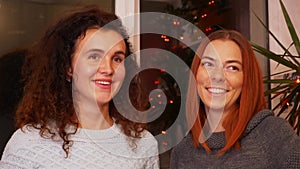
(220, 75)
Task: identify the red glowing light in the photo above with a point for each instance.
(208, 29)
(163, 36)
(176, 23)
(204, 15)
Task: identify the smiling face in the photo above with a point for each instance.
(220, 75)
(98, 66)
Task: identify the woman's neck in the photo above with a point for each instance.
(94, 117)
(215, 119)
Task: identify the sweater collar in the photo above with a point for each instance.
(256, 120)
(104, 134)
(217, 140)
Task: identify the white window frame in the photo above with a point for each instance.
(125, 8)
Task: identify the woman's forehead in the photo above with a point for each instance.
(99, 38)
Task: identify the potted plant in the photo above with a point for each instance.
(287, 89)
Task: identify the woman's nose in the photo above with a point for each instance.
(105, 66)
(217, 75)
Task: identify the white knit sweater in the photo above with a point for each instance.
(107, 149)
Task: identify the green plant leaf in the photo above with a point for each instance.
(296, 104)
(279, 81)
(275, 38)
(291, 28)
(297, 127)
(269, 54)
(277, 94)
(276, 107)
(282, 110)
(286, 89)
(293, 94)
(275, 89)
(279, 73)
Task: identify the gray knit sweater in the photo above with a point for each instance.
(267, 143)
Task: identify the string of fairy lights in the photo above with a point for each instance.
(195, 15)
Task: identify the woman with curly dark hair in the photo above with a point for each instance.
(67, 118)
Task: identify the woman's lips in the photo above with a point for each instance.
(103, 83)
(217, 90)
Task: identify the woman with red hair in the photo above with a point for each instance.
(231, 127)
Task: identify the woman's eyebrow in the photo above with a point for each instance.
(120, 52)
(207, 57)
(95, 50)
(227, 61)
(234, 61)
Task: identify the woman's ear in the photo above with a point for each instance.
(69, 74)
(69, 71)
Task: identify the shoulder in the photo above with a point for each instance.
(147, 148)
(265, 121)
(276, 125)
(143, 146)
(21, 148)
(22, 136)
(148, 143)
(280, 131)
(182, 152)
(283, 139)
(28, 139)
(147, 136)
(275, 131)
(184, 145)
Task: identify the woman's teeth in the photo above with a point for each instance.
(103, 82)
(217, 90)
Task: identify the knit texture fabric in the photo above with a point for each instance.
(268, 142)
(107, 149)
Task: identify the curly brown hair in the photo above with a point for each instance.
(47, 103)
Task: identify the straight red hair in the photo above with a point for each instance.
(251, 100)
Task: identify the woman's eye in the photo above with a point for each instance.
(233, 68)
(118, 59)
(93, 57)
(207, 64)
